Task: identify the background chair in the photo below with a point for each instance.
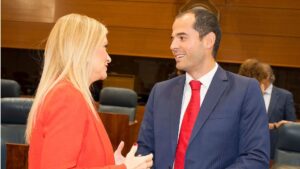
(10, 88)
(17, 156)
(119, 129)
(14, 112)
(288, 146)
(118, 100)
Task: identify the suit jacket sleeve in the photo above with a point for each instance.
(289, 108)
(254, 141)
(65, 127)
(146, 134)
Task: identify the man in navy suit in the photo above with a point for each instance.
(231, 128)
(279, 103)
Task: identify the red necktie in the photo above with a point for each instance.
(187, 125)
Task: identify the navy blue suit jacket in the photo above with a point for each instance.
(231, 130)
(281, 108)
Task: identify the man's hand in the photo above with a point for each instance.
(278, 124)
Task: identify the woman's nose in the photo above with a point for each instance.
(108, 58)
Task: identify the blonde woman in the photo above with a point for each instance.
(63, 129)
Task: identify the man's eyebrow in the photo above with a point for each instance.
(178, 34)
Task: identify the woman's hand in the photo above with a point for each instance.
(119, 158)
(138, 162)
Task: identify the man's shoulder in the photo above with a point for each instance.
(239, 79)
(170, 82)
(241, 85)
(281, 90)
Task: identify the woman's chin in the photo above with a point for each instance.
(103, 77)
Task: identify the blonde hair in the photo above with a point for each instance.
(70, 45)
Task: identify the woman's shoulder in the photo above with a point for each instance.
(64, 97)
(66, 88)
(64, 91)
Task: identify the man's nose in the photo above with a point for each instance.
(173, 45)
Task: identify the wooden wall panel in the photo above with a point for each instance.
(29, 35)
(139, 42)
(157, 1)
(234, 48)
(280, 51)
(260, 21)
(32, 11)
(122, 13)
(290, 4)
(268, 30)
(218, 2)
(122, 41)
(146, 14)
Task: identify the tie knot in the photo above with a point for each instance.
(195, 85)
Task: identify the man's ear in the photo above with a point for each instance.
(209, 40)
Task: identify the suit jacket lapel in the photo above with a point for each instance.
(274, 97)
(176, 101)
(214, 93)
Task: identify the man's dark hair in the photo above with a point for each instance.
(205, 23)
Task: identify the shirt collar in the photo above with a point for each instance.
(205, 79)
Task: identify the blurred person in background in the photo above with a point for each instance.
(279, 102)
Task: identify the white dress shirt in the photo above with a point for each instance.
(205, 80)
(267, 96)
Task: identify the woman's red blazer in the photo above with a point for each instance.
(67, 134)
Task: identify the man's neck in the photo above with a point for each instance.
(203, 69)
